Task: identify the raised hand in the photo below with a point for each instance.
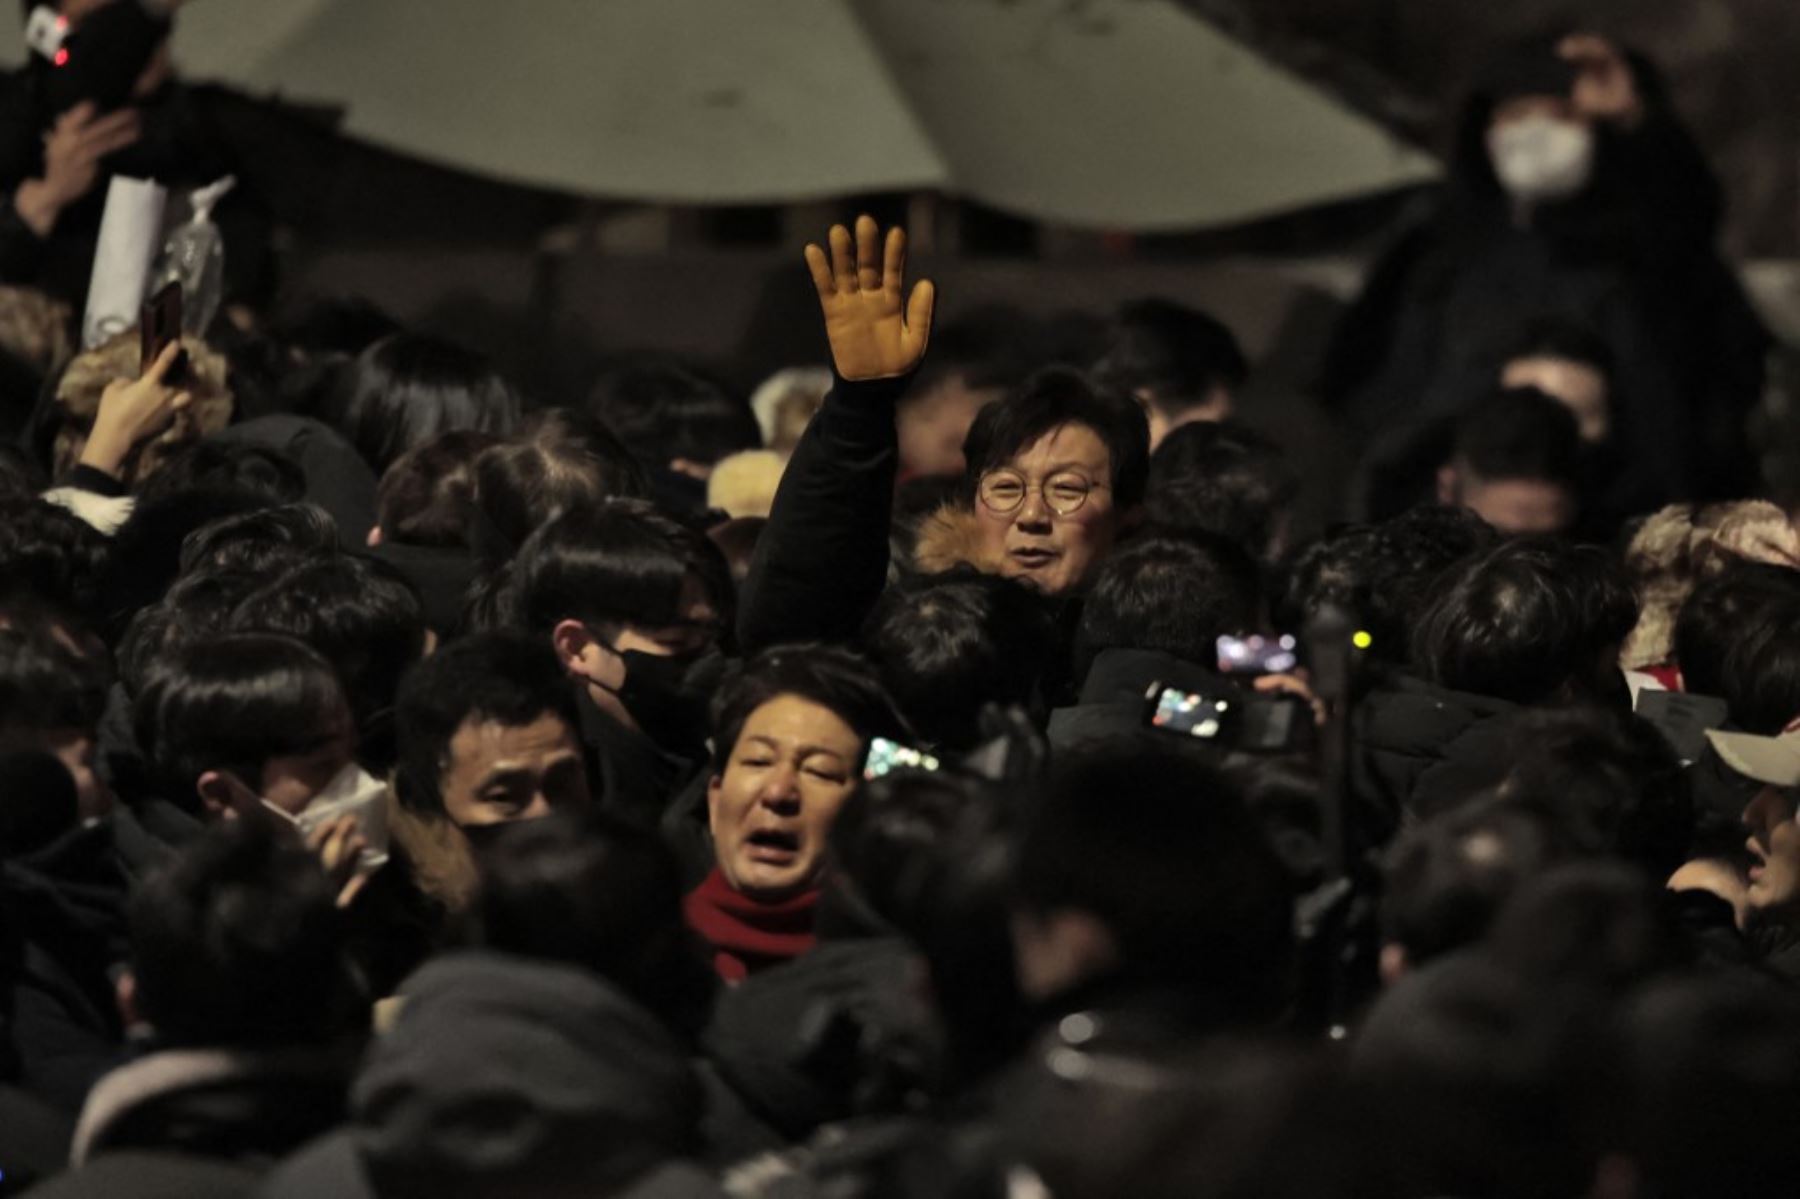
(133, 411)
(873, 334)
(73, 150)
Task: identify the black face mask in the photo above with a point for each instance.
(485, 839)
(669, 696)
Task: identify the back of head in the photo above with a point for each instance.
(236, 943)
(1224, 479)
(950, 644)
(232, 466)
(1159, 846)
(665, 412)
(407, 389)
(50, 559)
(1447, 878)
(265, 541)
(145, 556)
(425, 497)
(232, 702)
(1174, 356)
(621, 561)
(1609, 780)
(1734, 639)
(561, 460)
(507, 679)
(591, 891)
(1174, 594)
(1530, 621)
(1046, 402)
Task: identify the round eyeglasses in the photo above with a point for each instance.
(1002, 492)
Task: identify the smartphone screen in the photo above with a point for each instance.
(886, 756)
(1258, 655)
(1196, 715)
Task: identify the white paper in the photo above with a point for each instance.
(130, 235)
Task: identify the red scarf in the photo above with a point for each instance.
(747, 934)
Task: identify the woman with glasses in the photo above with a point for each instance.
(1056, 471)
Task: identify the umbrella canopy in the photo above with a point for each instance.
(1121, 114)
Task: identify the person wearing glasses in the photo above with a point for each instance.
(1056, 471)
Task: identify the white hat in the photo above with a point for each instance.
(1771, 760)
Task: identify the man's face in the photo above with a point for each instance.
(1774, 847)
(1054, 551)
(499, 773)
(1516, 507)
(932, 427)
(792, 768)
(1576, 385)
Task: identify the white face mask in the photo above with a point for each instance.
(1542, 158)
(351, 791)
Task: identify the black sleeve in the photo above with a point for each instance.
(822, 561)
(21, 249)
(90, 478)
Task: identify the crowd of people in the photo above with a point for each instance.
(952, 773)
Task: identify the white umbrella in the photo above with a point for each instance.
(1121, 114)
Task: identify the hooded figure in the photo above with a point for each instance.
(504, 1077)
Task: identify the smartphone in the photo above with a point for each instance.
(159, 323)
(886, 756)
(1188, 712)
(1258, 655)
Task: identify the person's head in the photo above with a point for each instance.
(1515, 463)
(1175, 594)
(407, 389)
(1181, 364)
(785, 402)
(363, 617)
(1735, 640)
(1594, 924)
(144, 558)
(974, 361)
(930, 855)
(1446, 879)
(425, 497)
(672, 417)
(1683, 545)
(1222, 478)
(128, 48)
(50, 559)
(614, 580)
(51, 698)
(589, 890)
(561, 460)
(1056, 471)
(1141, 861)
(224, 465)
(266, 541)
(1612, 784)
(1532, 621)
(488, 735)
(90, 373)
(1382, 576)
(790, 732)
(242, 719)
(1540, 147)
(1774, 846)
(236, 944)
(197, 607)
(1573, 366)
(948, 645)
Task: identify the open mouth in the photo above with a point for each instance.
(773, 847)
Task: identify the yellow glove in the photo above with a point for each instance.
(873, 336)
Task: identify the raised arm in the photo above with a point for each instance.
(822, 561)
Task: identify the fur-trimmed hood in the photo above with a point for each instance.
(948, 538)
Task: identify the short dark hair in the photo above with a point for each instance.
(425, 496)
(236, 942)
(1519, 433)
(1222, 478)
(1175, 354)
(1175, 594)
(1157, 843)
(1735, 639)
(950, 644)
(663, 410)
(407, 388)
(588, 889)
(145, 556)
(206, 465)
(232, 702)
(1047, 401)
(361, 614)
(45, 685)
(622, 560)
(50, 557)
(1526, 620)
(500, 677)
(1611, 782)
(827, 675)
(1445, 879)
(197, 606)
(265, 541)
(561, 461)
